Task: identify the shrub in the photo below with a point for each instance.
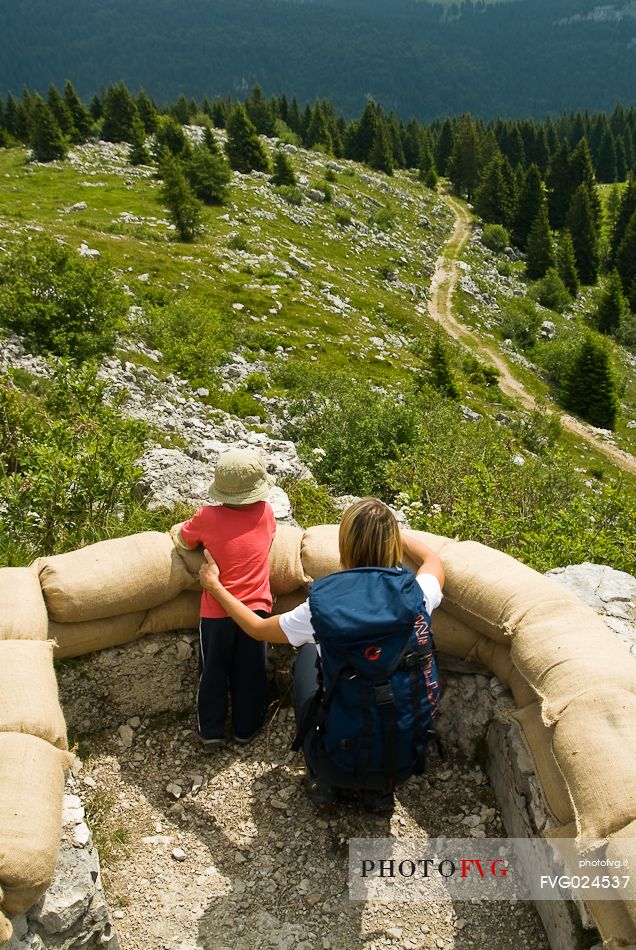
(495, 237)
(68, 471)
(343, 218)
(192, 338)
(466, 483)
(290, 194)
(59, 301)
(383, 219)
(520, 322)
(311, 503)
(551, 292)
(209, 175)
(238, 242)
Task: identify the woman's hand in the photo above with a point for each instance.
(209, 574)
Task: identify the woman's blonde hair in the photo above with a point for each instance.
(369, 536)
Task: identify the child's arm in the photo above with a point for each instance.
(430, 563)
(259, 628)
(177, 539)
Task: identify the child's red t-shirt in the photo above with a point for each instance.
(239, 540)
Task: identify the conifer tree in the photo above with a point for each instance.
(463, 166)
(559, 186)
(183, 207)
(260, 112)
(147, 111)
(138, 153)
(283, 170)
(82, 119)
(169, 135)
(444, 147)
(531, 197)
(381, 156)
(443, 377)
(581, 224)
(606, 161)
(626, 209)
(566, 263)
(16, 119)
(395, 139)
(208, 174)
(589, 387)
(540, 249)
(318, 134)
(244, 148)
(626, 257)
(366, 132)
(62, 114)
(412, 144)
(493, 201)
(220, 113)
(210, 141)
(582, 173)
(47, 141)
(119, 113)
(180, 110)
(611, 306)
(95, 108)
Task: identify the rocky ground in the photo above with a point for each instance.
(224, 850)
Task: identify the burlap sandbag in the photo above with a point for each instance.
(112, 577)
(288, 601)
(77, 639)
(319, 550)
(28, 691)
(451, 635)
(285, 566)
(31, 792)
(622, 847)
(22, 608)
(491, 591)
(320, 554)
(182, 613)
(614, 923)
(538, 739)
(593, 744)
(6, 927)
(562, 649)
(522, 692)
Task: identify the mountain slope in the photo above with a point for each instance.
(527, 57)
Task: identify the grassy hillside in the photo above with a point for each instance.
(324, 290)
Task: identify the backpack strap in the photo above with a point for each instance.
(413, 663)
(385, 701)
(316, 711)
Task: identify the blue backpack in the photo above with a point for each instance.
(380, 685)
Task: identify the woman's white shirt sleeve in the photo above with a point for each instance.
(297, 626)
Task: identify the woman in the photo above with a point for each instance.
(360, 627)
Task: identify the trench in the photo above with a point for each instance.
(259, 865)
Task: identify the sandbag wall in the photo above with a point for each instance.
(572, 681)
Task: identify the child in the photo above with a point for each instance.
(238, 533)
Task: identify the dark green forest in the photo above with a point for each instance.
(530, 57)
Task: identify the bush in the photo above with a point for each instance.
(495, 237)
(343, 218)
(238, 242)
(311, 503)
(383, 219)
(192, 338)
(68, 471)
(520, 322)
(349, 437)
(551, 292)
(459, 479)
(58, 301)
(290, 194)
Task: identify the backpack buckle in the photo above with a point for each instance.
(384, 694)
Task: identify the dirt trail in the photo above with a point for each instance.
(440, 307)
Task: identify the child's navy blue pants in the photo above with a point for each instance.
(230, 663)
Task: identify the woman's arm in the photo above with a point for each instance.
(259, 628)
(420, 552)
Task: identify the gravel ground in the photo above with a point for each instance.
(241, 859)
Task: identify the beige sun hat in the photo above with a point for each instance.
(240, 478)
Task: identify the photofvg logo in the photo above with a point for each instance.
(496, 869)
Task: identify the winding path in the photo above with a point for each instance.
(440, 308)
